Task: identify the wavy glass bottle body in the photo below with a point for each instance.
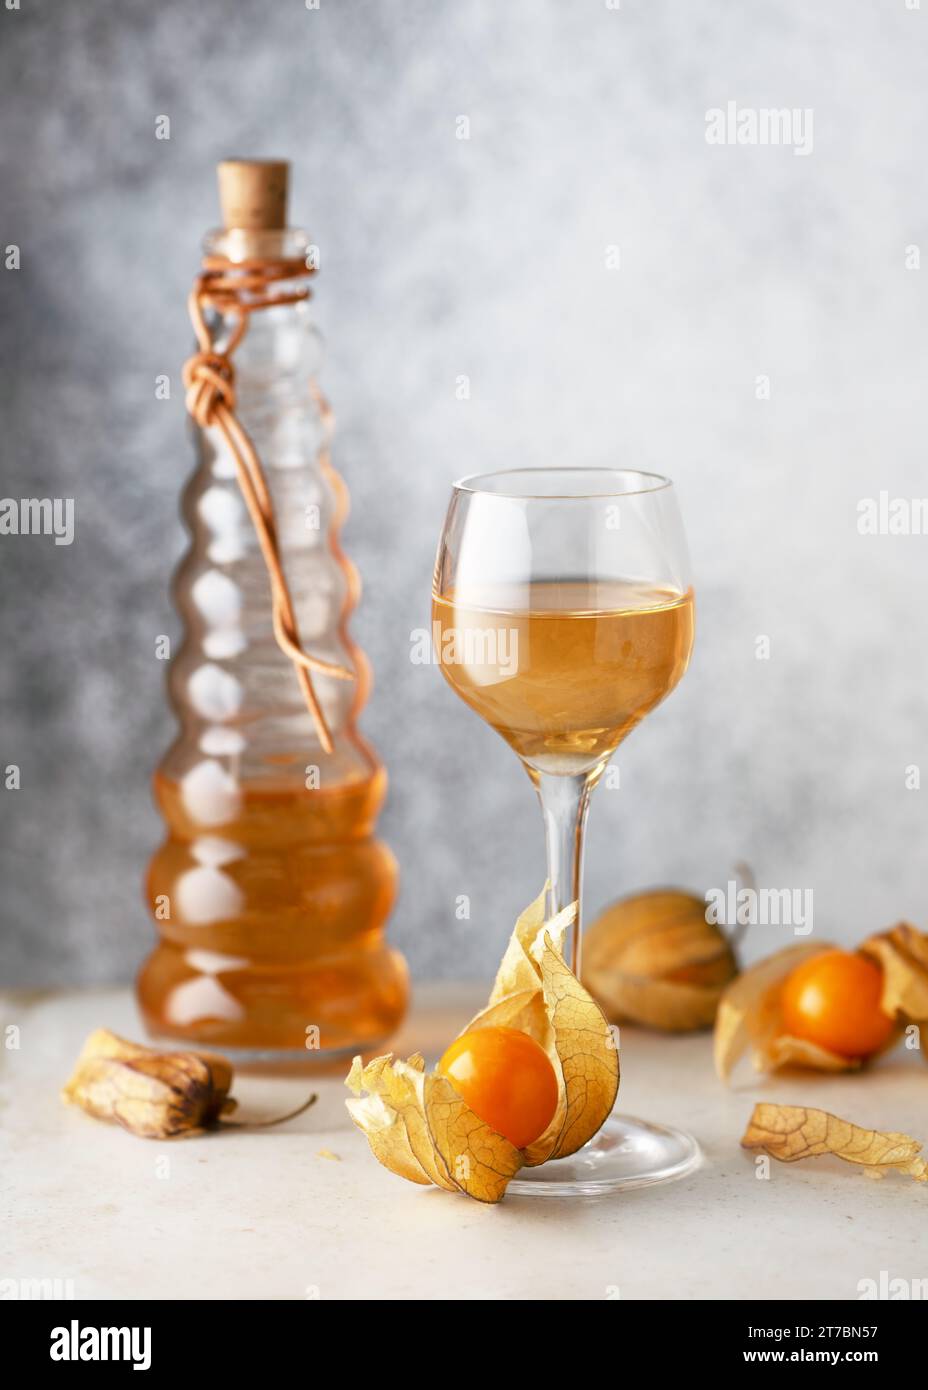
(270, 892)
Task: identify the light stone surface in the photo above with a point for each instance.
(484, 257)
(264, 1215)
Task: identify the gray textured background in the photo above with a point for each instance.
(484, 257)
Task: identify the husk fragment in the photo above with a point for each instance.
(902, 952)
(792, 1132)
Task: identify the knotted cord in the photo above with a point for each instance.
(236, 289)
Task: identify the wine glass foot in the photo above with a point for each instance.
(626, 1153)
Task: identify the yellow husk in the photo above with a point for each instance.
(903, 954)
(653, 959)
(749, 1012)
(791, 1132)
(749, 1016)
(418, 1126)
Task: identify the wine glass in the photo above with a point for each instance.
(563, 613)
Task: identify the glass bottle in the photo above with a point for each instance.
(270, 892)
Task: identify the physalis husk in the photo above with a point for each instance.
(419, 1127)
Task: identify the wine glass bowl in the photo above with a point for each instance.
(564, 617)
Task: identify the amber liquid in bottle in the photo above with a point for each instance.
(564, 669)
(270, 892)
(278, 894)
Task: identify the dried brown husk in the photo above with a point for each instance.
(654, 959)
(419, 1127)
(792, 1132)
(157, 1095)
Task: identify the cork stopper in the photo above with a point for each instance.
(253, 194)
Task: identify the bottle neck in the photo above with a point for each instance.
(264, 276)
(238, 245)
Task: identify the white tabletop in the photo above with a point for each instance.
(266, 1214)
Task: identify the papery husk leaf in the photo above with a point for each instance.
(392, 1116)
(749, 1010)
(156, 1095)
(585, 1057)
(787, 1051)
(525, 1011)
(667, 1005)
(902, 953)
(520, 968)
(478, 1161)
(517, 998)
(653, 959)
(656, 932)
(792, 1132)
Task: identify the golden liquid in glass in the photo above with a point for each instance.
(564, 669)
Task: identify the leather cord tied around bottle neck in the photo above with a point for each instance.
(236, 289)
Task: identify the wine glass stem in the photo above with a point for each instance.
(564, 801)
